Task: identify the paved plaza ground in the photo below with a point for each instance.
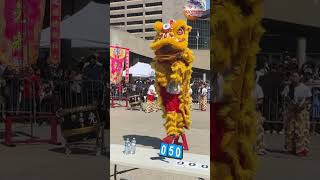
(148, 130)
(48, 162)
(279, 165)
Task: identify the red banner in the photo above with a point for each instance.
(127, 65)
(20, 26)
(118, 57)
(55, 21)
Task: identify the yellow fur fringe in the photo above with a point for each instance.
(236, 31)
(173, 68)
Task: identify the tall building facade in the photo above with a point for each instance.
(138, 16)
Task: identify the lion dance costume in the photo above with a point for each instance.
(235, 35)
(173, 67)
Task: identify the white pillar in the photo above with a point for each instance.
(204, 77)
(301, 50)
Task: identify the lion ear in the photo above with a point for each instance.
(189, 28)
(158, 26)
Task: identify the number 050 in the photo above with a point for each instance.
(171, 150)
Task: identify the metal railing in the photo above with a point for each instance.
(119, 95)
(30, 101)
(25, 96)
(273, 110)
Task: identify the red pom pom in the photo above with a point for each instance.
(171, 21)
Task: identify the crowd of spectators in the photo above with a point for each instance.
(140, 86)
(50, 86)
(273, 77)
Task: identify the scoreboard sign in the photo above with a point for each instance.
(171, 151)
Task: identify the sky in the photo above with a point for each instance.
(208, 4)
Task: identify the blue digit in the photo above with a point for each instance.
(175, 151)
(163, 149)
(171, 150)
(178, 152)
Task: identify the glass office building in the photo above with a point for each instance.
(199, 38)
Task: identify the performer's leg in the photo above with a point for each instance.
(201, 103)
(307, 136)
(181, 124)
(302, 129)
(205, 101)
(148, 106)
(260, 147)
(154, 106)
(170, 125)
(289, 132)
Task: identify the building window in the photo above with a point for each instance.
(117, 24)
(134, 14)
(153, 12)
(201, 28)
(117, 16)
(135, 30)
(153, 20)
(149, 29)
(134, 22)
(150, 38)
(117, 8)
(154, 4)
(135, 6)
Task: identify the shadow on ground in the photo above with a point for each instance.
(278, 151)
(80, 148)
(2, 135)
(145, 140)
(75, 150)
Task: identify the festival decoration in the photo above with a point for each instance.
(237, 30)
(19, 30)
(118, 56)
(173, 67)
(194, 9)
(80, 124)
(55, 21)
(127, 65)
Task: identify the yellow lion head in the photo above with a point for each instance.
(171, 38)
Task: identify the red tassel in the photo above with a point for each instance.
(184, 142)
(169, 139)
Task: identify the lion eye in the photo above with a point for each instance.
(180, 31)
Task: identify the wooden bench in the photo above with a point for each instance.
(193, 165)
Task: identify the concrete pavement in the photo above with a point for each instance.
(48, 162)
(148, 130)
(280, 165)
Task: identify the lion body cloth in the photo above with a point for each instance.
(235, 36)
(173, 67)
